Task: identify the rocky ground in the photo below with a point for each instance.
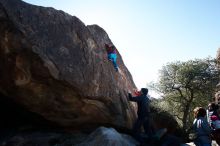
(192, 144)
(100, 137)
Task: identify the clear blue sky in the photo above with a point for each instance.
(151, 33)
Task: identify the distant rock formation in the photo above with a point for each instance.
(217, 94)
(218, 56)
(55, 66)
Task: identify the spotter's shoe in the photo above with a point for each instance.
(159, 133)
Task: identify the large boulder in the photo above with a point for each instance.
(108, 137)
(55, 66)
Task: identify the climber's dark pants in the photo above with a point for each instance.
(145, 122)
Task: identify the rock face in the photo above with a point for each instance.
(108, 137)
(102, 136)
(55, 66)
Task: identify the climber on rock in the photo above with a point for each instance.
(112, 55)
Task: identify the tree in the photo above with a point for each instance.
(185, 85)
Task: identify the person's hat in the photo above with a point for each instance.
(144, 91)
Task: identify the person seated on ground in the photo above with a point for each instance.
(215, 122)
(112, 55)
(214, 109)
(214, 119)
(201, 128)
(213, 115)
